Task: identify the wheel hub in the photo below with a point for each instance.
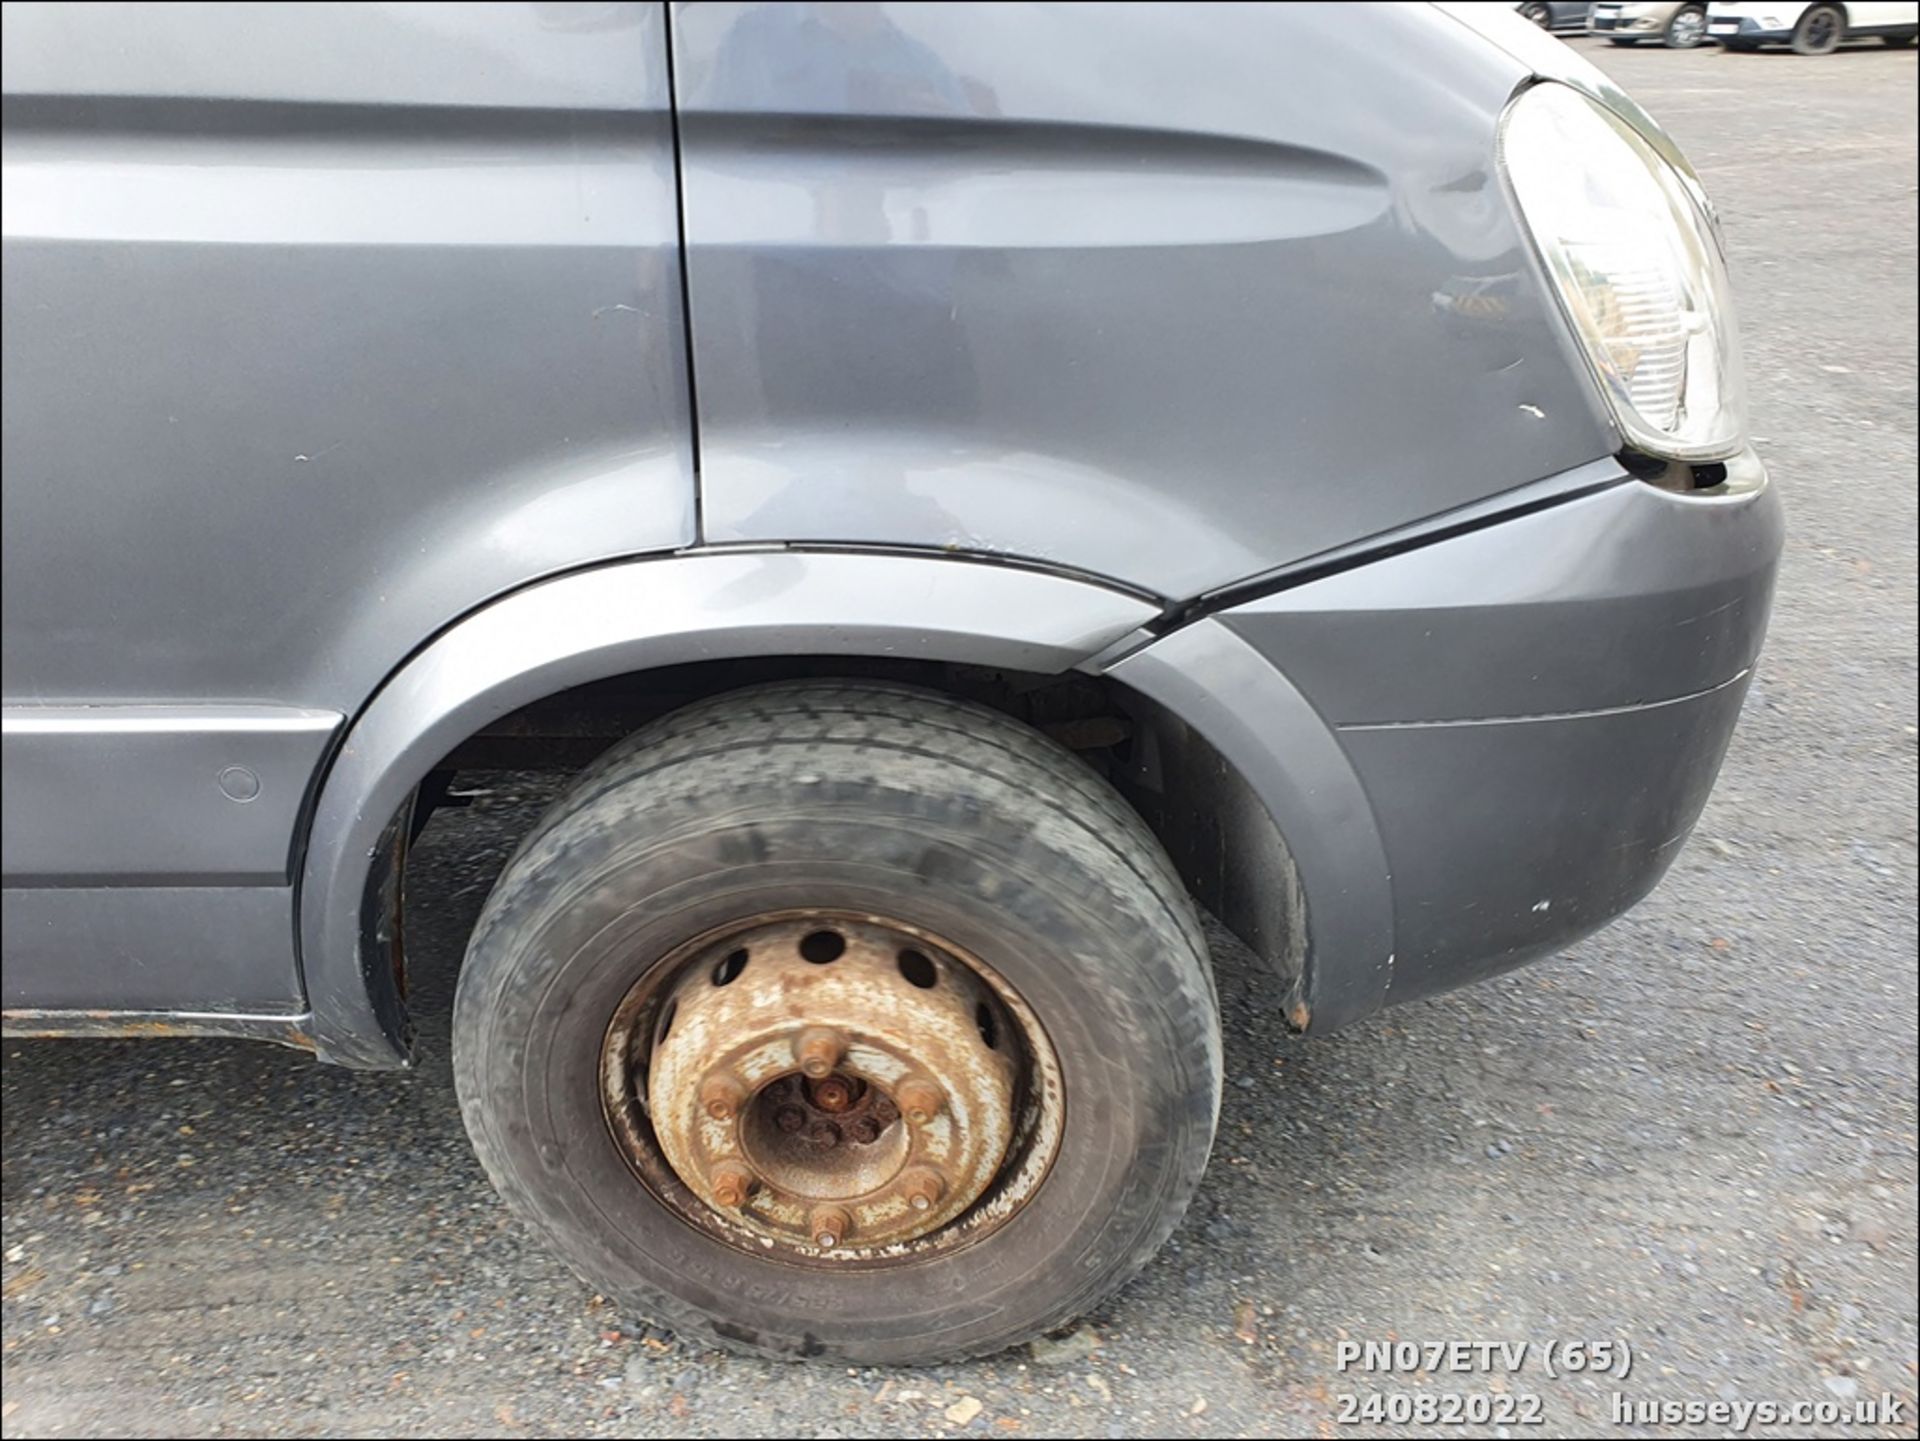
(827, 1083)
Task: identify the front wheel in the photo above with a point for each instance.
(1541, 15)
(1820, 30)
(842, 1021)
(1687, 28)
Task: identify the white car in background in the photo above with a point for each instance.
(1811, 29)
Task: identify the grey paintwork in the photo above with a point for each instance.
(1512, 728)
(325, 325)
(1620, 597)
(135, 948)
(961, 270)
(1511, 839)
(355, 368)
(182, 795)
(149, 854)
(1568, 682)
(547, 56)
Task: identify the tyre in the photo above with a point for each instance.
(842, 1021)
(1819, 31)
(1686, 29)
(1743, 46)
(1541, 15)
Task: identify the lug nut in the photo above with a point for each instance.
(730, 1181)
(819, 1049)
(865, 1131)
(790, 1118)
(834, 1093)
(922, 1186)
(920, 1099)
(824, 1133)
(722, 1096)
(828, 1225)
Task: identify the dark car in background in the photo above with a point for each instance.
(1554, 14)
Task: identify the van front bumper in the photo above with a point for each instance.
(1482, 748)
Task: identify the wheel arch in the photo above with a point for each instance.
(622, 619)
(1244, 829)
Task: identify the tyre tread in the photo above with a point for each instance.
(729, 754)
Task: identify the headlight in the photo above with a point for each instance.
(1638, 269)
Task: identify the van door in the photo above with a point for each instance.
(325, 325)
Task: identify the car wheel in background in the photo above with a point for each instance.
(1820, 30)
(1898, 42)
(1541, 15)
(843, 1021)
(1687, 28)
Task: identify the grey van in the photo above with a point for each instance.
(958, 487)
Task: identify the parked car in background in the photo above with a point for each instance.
(1677, 24)
(1812, 29)
(1554, 14)
(952, 498)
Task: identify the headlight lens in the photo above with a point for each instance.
(1638, 269)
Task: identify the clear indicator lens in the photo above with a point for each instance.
(1638, 271)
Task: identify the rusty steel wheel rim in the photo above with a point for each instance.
(832, 1088)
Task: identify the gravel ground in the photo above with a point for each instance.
(1695, 1133)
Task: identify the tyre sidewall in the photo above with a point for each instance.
(1672, 42)
(1803, 46)
(1140, 1082)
